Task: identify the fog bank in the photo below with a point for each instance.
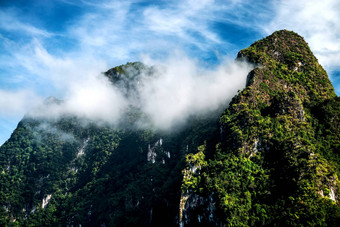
(178, 88)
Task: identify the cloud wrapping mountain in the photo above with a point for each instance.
(179, 88)
(45, 45)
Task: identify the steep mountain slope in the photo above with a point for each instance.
(271, 158)
(277, 162)
(71, 171)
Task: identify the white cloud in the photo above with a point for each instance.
(60, 72)
(179, 89)
(183, 19)
(317, 21)
(78, 81)
(182, 89)
(95, 99)
(16, 103)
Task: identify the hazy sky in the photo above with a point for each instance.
(56, 47)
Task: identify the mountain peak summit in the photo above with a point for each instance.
(285, 62)
(279, 46)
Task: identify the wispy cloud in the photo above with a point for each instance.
(183, 88)
(107, 33)
(9, 21)
(186, 19)
(15, 103)
(178, 89)
(121, 30)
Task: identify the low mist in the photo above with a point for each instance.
(183, 88)
(178, 88)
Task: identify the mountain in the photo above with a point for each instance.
(277, 162)
(71, 170)
(269, 158)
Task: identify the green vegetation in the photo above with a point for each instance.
(277, 162)
(95, 175)
(270, 159)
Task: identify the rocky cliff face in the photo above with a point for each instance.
(271, 158)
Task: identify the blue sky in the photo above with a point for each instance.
(46, 44)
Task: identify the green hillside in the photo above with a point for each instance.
(277, 162)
